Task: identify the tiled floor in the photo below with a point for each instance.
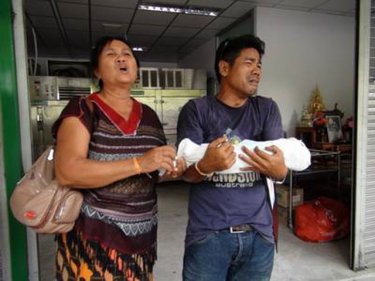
(296, 260)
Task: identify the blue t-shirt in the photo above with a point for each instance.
(225, 200)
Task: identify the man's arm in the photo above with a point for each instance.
(219, 156)
(271, 165)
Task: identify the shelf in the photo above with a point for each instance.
(333, 167)
(344, 147)
(314, 171)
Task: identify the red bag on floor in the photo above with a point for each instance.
(321, 220)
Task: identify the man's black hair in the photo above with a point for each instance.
(231, 48)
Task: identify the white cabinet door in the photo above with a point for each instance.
(150, 101)
(170, 109)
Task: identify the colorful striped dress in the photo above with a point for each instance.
(115, 236)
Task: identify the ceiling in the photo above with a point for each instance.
(67, 28)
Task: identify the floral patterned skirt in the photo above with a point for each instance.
(84, 260)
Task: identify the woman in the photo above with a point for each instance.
(111, 147)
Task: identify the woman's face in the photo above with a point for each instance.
(117, 64)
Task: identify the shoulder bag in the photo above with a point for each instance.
(40, 203)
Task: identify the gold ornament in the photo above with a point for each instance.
(316, 101)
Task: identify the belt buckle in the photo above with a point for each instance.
(236, 229)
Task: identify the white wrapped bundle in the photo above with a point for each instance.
(296, 155)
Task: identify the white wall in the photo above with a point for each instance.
(304, 50)
(202, 58)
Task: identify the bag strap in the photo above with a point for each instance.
(90, 106)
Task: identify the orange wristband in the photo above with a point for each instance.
(136, 165)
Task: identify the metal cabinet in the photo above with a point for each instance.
(42, 117)
(49, 95)
(171, 78)
(167, 105)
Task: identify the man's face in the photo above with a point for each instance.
(244, 75)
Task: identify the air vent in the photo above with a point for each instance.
(66, 93)
(68, 88)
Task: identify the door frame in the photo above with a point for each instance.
(361, 146)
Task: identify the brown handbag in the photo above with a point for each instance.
(39, 202)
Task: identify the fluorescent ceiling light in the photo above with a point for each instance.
(138, 49)
(179, 9)
(111, 25)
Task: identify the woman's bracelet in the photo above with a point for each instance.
(200, 172)
(136, 165)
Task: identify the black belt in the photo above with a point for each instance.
(241, 228)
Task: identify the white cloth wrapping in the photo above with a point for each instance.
(296, 155)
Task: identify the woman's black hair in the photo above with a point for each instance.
(98, 48)
(231, 48)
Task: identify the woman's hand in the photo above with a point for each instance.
(180, 167)
(161, 157)
(176, 174)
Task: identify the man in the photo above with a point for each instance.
(229, 235)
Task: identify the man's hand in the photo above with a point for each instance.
(219, 156)
(271, 165)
